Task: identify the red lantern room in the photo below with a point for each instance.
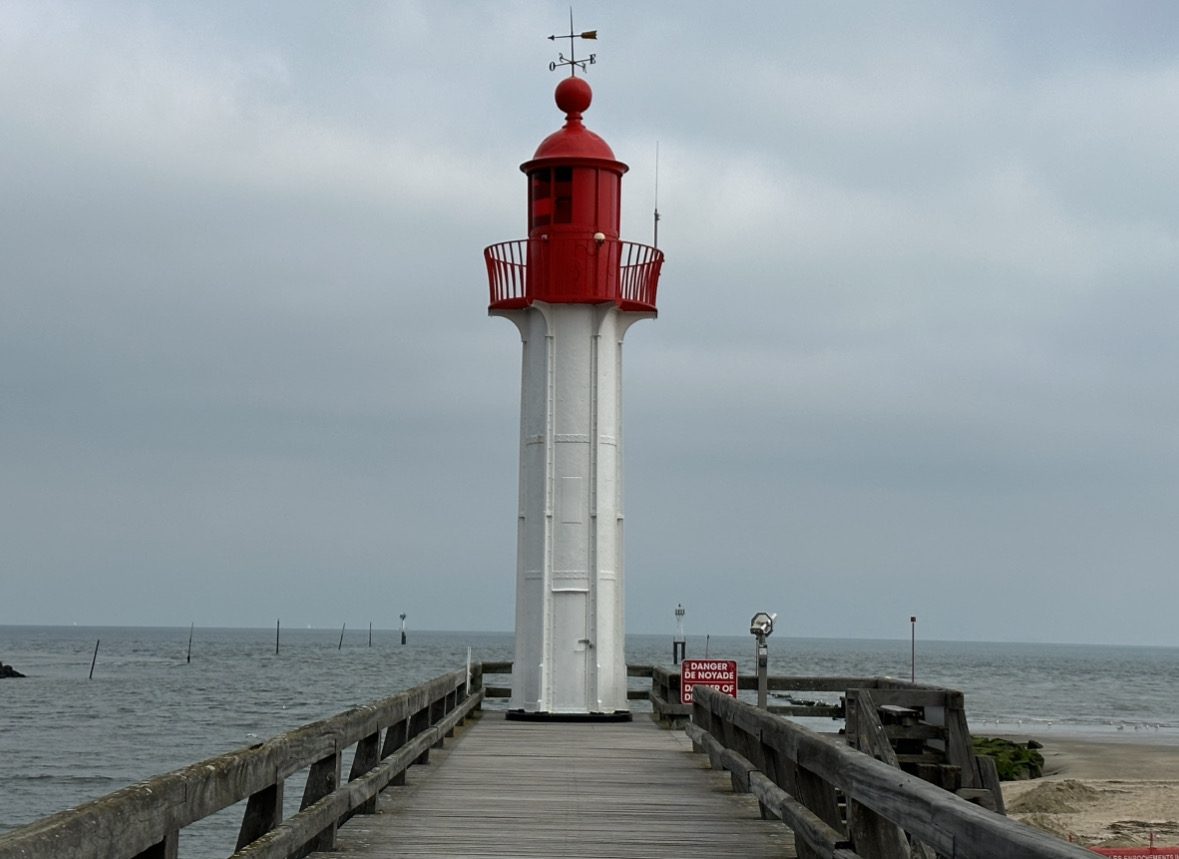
(573, 254)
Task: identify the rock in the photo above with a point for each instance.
(9, 671)
(1015, 761)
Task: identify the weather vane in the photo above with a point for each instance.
(572, 61)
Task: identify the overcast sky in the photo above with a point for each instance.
(917, 350)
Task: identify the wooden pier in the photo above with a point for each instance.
(430, 775)
(573, 790)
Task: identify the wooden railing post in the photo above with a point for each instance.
(323, 778)
(263, 813)
(395, 738)
(476, 678)
(437, 712)
(166, 849)
(451, 703)
(368, 755)
(419, 722)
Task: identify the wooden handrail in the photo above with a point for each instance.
(815, 771)
(143, 821)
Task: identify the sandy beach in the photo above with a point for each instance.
(1103, 793)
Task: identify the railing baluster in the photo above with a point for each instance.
(419, 722)
(368, 755)
(263, 813)
(395, 738)
(166, 849)
(322, 780)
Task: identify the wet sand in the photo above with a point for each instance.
(1103, 792)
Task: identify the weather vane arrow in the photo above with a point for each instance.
(572, 61)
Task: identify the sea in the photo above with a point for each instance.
(154, 705)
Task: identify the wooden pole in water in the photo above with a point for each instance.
(370, 633)
(342, 628)
(277, 629)
(95, 659)
(190, 629)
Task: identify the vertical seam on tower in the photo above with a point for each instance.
(594, 693)
(549, 491)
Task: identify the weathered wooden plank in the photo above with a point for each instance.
(914, 697)
(989, 774)
(139, 819)
(821, 711)
(804, 823)
(870, 735)
(960, 748)
(874, 835)
(949, 824)
(574, 790)
(289, 836)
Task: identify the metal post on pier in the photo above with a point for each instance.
(913, 649)
(679, 646)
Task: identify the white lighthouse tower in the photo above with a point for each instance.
(573, 289)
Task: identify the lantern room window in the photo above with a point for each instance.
(541, 200)
(551, 196)
(562, 195)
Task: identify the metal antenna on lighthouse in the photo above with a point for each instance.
(655, 241)
(572, 61)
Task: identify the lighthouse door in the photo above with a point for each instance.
(572, 651)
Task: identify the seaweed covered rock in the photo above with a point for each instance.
(1015, 761)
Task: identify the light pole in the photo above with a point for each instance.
(913, 649)
(762, 626)
(679, 646)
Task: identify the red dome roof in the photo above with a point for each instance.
(574, 140)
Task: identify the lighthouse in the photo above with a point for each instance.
(573, 289)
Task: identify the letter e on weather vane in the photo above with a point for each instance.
(572, 61)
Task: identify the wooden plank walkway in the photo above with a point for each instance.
(559, 789)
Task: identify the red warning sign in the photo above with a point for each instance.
(720, 674)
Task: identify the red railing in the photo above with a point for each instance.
(638, 276)
(567, 270)
(507, 270)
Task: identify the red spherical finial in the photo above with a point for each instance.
(574, 96)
